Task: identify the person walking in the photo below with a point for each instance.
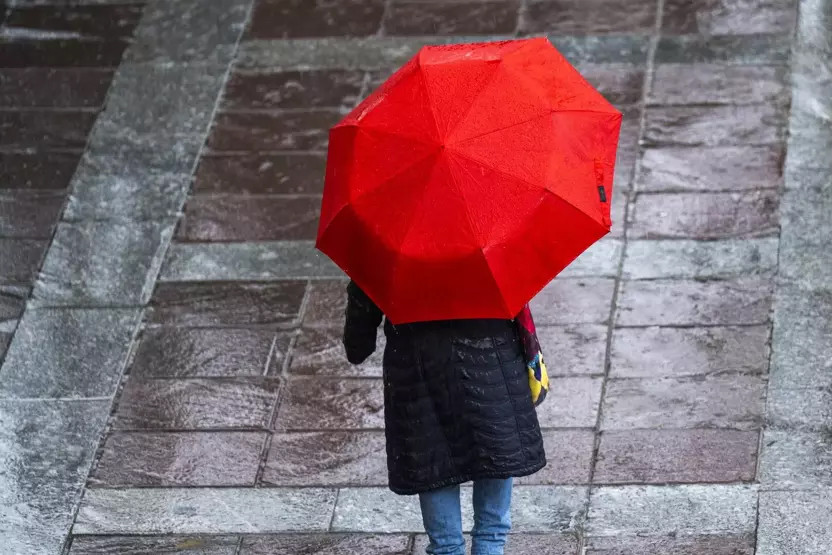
(458, 407)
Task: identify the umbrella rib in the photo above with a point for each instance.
(424, 82)
(491, 79)
(543, 115)
(524, 180)
(407, 167)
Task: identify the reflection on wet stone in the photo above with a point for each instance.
(227, 304)
(714, 125)
(320, 352)
(179, 459)
(29, 214)
(44, 170)
(327, 459)
(662, 456)
(657, 352)
(257, 173)
(198, 353)
(327, 544)
(687, 302)
(195, 404)
(271, 218)
(419, 17)
(270, 131)
(133, 545)
(711, 169)
(54, 87)
(274, 19)
(310, 403)
(727, 401)
(292, 89)
(705, 215)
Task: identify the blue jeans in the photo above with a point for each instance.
(442, 517)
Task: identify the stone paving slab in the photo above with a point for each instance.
(534, 509)
(697, 259)
(796, 460)
(179, 459)
(676, 456)
(679, 84)
(132, 545)
(336, 404)
(724, 401)
(795, 523)
(83, 357)
(800, 409)
(571, 402)
(574, 350)
(523, 544)
(102, 263)
(675, 352)
(722, 544)
(326, 544)
(686, 510)
(569, 456)
(118, 197)
(45, 450)
(750, 49)
(204, 511)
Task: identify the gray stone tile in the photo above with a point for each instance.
(568, 456)
(720, 168)
(261, 173)
(46, 448)
(102, 263)
(804, 256)
(709, 18)
(548, 508)
(599, 260)
(809, 136)
(29, 214)
(687, 302)
(84, 356)
(345, 404)
(279, 19)
(196, 404)
(676, 456)
(147, 101)
(179, 459)
(37, 87)
(327, 304)
(619, 511)
(327, 544)
(571, 403)
(21, 259)
(571, 350)
(796, 460)
(265, 89)
(722, 544)
(330, 459)
(654, 259)
(718, 84)
(534, 509)
(795, 523)
(727, 401)
(383, 53)
(523, 544)
(167, 352)
(382, 511)
(674, 352)
(620, 83)
(136, 545)
(705, 215)
(295, 131)
(801, 338)
(12, 302)
(320, 352)
(574, 301)
(268, 260)
(744, 50)
(579, 18)
(138, 160)
(106, 197)
(759, 124)
(801, 409)
(807, 178)
(227, 304)
(188, 30)
(204, 510)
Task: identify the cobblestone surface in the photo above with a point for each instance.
(171, 375)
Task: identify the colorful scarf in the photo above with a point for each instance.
(538, 378)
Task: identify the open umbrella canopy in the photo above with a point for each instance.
(469, 180)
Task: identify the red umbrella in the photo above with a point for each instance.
(469, 180)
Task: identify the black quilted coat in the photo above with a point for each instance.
(457, 405)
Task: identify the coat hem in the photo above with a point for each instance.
(462, 478)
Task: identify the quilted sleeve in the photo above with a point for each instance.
(361, 326)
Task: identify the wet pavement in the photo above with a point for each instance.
(172, 378)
